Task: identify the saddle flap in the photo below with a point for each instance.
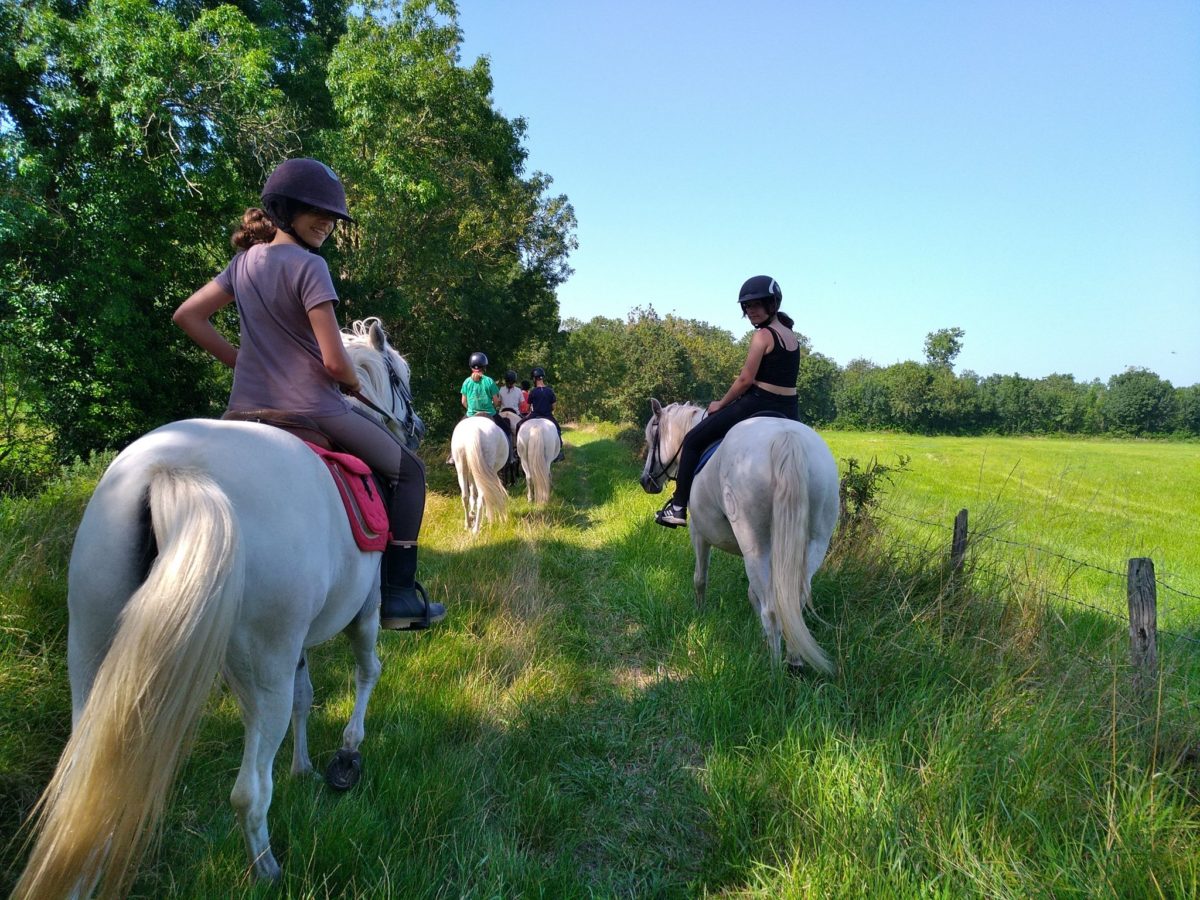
(365, 508)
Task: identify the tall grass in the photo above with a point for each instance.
(577, 728)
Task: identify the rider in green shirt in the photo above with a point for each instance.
(481, 397)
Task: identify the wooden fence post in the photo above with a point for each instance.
(1143, 625)
(958, 547)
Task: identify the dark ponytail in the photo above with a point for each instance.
(785, 319)
(256, 228)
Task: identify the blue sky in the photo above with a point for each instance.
(1026, 171)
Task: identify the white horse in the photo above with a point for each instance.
(770, 495)
(480, 451)
(207, 546)
(537, 446)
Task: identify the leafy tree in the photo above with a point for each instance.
(861, 396)
(714, 355)
(815, 389)
(1139, 402)
(129, 136)
(943, 346)
(1187, 409)
(457, 250)
(908, 395)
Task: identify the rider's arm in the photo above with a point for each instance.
(194, 315)
(333, 351)
(758, 346)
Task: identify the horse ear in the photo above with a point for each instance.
(655, 406)
(377, 337)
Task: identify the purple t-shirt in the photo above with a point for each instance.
(279, 363)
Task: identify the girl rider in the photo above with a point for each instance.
(290, 355)
(767, 383)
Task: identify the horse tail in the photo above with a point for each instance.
(790, 588)
(102, 807)
(487, 479)
(539, 466)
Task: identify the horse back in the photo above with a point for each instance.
(299, 550)
(738, 482)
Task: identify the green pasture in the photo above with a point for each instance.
(1068, 513)
(577, 728)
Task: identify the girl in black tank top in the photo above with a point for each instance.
(768, 362)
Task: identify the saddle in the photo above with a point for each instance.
(357, 484)
(294, 423)
(715, 445)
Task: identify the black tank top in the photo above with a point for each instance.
(780, 367)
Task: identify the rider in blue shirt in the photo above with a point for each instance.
(541, 406)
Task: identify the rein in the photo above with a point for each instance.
(399, 390)
(662, 475)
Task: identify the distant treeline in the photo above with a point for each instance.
(606, 368)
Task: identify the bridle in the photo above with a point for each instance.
(656, 457)
(411, 424)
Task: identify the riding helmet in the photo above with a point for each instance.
(761, 287)
(478, 359)
(510, 377)
(309, 182)
(538, 372)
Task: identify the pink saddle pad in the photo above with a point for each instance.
(364, 507)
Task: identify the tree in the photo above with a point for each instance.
(815, 389)
(457, 250)
(860, 396)
(131, 135)
(1139, 402)
(943, 346)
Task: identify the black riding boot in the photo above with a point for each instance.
(404, 605)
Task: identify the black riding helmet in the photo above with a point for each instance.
(510, 377)
(297, 185)
(763, 288)
(478, 359)
(538, 372)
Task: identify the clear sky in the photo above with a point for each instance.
(1027, 171)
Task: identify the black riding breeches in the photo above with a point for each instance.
(716, 426)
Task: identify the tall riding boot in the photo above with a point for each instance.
(404, 605)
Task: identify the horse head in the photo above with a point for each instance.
(664, 438)
(384, 376)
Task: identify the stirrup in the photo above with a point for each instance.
(431, 614)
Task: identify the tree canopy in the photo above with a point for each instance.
(134, 133)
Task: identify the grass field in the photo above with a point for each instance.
(576, 728)
(1097, 503)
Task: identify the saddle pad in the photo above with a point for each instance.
(364, 507)
(716, 445)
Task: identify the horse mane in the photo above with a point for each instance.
(368, 359)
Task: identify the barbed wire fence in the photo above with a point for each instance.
(1142, 586)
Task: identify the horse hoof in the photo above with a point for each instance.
(344, 770)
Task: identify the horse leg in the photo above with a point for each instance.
(302, 698)
(264, 690)
(346, 767)
(758, 572)
(700, 576)
(476, 507)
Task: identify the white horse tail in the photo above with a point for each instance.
(790, 587)
(487, 479)
(103, 805)
(539, 466)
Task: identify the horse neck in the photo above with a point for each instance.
(681, 423)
